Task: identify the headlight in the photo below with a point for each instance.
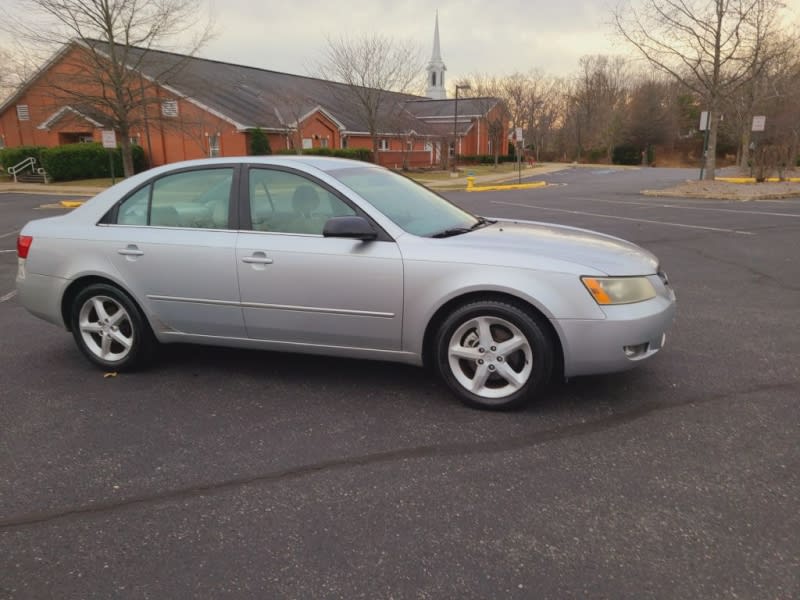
(619, 290)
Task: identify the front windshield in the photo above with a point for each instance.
(408, 204)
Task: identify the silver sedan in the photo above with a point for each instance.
(329, 256)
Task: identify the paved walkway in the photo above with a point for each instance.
(56, 190)
(489, 178)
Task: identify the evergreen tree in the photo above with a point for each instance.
(259, 142)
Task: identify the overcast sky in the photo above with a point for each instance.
(477, 36)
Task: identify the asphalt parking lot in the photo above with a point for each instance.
(222, 473)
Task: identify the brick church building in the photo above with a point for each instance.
(193, 108)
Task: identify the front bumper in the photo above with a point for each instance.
(629, 334)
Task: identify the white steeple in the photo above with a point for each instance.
(436, 68)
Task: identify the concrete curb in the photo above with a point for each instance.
(753, 179)
(49, 191)
(710, 196)
(501, 187)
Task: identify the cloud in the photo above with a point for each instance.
(498, 37)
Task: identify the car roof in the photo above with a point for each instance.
(323, 163)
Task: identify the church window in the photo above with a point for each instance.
(433, 79)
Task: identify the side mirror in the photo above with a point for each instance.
(357, 228)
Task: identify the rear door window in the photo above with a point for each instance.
(197, 199)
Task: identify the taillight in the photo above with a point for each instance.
(24, 245)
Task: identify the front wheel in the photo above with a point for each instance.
(493, 355)
(109, 328)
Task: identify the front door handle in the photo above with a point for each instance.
(257, 259)
(130, 250)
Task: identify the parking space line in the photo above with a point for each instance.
(590, 214)
(9, 234)
(5, 251)
(706, 208)
(8, 296)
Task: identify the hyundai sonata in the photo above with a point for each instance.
(336, 257)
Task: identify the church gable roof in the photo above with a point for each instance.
(250, 96)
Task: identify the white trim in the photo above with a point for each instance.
(317, 108)
(38, 73)
(47, 123)
(450, 117)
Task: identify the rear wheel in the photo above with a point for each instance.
(109, 328)
(493, 355)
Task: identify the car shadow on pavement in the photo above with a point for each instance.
(613, 391)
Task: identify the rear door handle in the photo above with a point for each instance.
(131, 250)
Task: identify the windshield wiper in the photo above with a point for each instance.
(459, 230)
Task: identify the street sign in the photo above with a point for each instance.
(109, 138)
(704, 120)
(759, 123)
(518, 134)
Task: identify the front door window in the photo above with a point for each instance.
(284, 202)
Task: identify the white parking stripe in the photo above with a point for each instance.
(4, 251)
(658, 205)
(589, 214)
(9, 234)
(8, 296)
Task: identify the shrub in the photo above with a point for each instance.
(596, 155)
(651, 155)
(318, 151)
(626, 154)
(363, 154)
(485, 159)
(259, 143)
(13, 156)
(86, 161)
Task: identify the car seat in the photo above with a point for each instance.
(305, 201)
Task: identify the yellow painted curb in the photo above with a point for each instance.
(511, 186)
(71, 203)
(753, 180)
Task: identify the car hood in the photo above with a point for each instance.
(535, 244)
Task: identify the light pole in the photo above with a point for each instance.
(466, 86)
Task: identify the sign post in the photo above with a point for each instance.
(759, 124)
(520, 147)
(704, 127)
(109, 138)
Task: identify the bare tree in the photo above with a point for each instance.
(112, 41)
(597, 103)
(546, 113)
(487, 89)
(710, 46)
(372, 67)
(291, 107)
(7, 82)
(15, 67)
(771, 52)
(650, 112)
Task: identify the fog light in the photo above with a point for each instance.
(637, 350)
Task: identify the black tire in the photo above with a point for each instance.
(504, 389)
(132, 326)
